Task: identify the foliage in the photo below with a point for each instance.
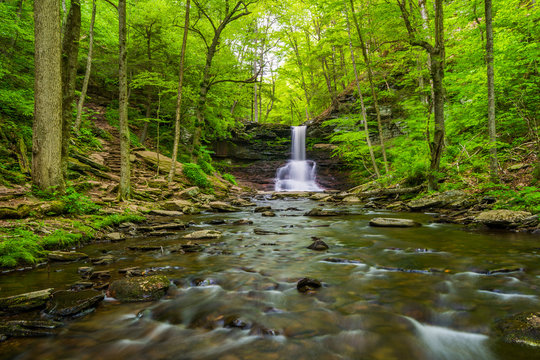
(19, 247)
(76, 203)
(116, 219)
(60, 239)
(230, 178)
(527, 198)
(195, 175)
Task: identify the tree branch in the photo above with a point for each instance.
(111, 3)
(201, 10)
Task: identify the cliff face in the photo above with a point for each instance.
(254, 155)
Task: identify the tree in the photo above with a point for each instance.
(229, 14)
(124, 191)
(47, 127)
(70, 52)
(493, 166)
(179, 96)
(437, 54)
(88, 70)
(363, 106)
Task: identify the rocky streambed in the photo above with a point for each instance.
(290, 277)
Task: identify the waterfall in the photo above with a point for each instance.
(298, 174)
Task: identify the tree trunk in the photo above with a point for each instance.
(70, 53)
(373, 93)
(47, 127)
(491, 94)
(124, 191)
(179, 97)
(294, 44)
(88, 69)
(364, 115)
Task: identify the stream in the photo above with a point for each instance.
(431, 292)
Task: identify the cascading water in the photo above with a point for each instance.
(298, 174)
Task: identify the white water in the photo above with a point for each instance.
(298, 174)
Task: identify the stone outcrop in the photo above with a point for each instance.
(135, 289)
(507, 218)
(25, 302)
(522, 329)
(393, 222)
(452, 199)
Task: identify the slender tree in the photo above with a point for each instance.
(437, 54)
(70, 53)
(371, 85)
(47, 127)
(124, 191)
(179, 96)
(363, 106)
(493, 167)
(88, 70)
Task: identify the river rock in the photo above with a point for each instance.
(392, 222)
(103, 260)
(351, 199)
(28, 328)
(221, 206)
(133, 289)
(176, 205)
(243, 222)
(24, 302)
(203, 234)
(242, 202)
(115, 236)
(99, 275)
(318, 245)
(85, 271)
(261, 209)
(506, 218)
(322, 212)
(170, 213)
(523, 329)
(72, 303)
(319, 196)
(454, 199)
(189, 193)
(308, 285)
(268, 214)
(145, 247)
(66, 256)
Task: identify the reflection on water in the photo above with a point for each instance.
(421, 293)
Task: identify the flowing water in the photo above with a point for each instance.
(298, 174)
(419, 293)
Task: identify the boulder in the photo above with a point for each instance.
(268, 214)
(242, 222)
(15, 211)
(319, 196)
(454, 199)
(261, 209)
(203, 234)
(24, 302)
(133, 289)
(506, 218)
(85, 271)
(392, 222)
(221, 206)
(103, 260)
(115, 236)
(189, 193)
(523, 329)
(242, 202)
(73, 303)
(322, 212)
(66, 256)
(308, 285)
(351, 199)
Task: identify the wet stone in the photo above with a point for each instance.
(322, 212)
(318, 245)
(85, 271)
(243, 222)
(66, 256)
(24, 302)
(134, 289)
(145, 247)
(216, 222)
(203, 234)
(81, 285)
(523, 329)
(268, 214)
(392, 222)
(341, 261)
(115, 236)
(98, 275)
(261, 209)
(28, 328)
(308, 285)
(103, 260)
(72, 303)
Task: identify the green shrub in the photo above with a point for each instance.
(196, 176)
(60, 239)
(77, 203)
(527, 198)
(230, 178)
(19, 247)
(206, 167)
(116, 219)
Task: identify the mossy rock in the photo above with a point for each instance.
(29, 328)
(25, 302)
(523, 328)
(66, 256)
(11, 212)
(71, 303)
(134, 289)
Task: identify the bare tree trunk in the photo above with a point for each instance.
(179, 96)
(373, 93)
(82, 98)
(364, 114)
(47, 127)
(70, 53)
(491, 94)
(124, 192)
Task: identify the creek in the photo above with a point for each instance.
(429, 292)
